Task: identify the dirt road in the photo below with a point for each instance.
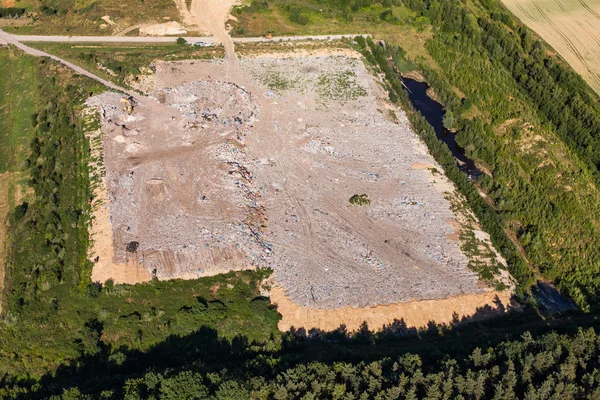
(212, 15)
(10, 39)
(171, 39)
(5, 180)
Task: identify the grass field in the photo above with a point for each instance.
(572, 27)
(16, 106)
(16, 129)
(274, 19)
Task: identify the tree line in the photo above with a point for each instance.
(203, 366)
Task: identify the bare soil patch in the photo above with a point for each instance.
(329, 142)
(415, 314)
(208, 16)
(102, 252)
(180, 198)
(277, 151)
(164, 29)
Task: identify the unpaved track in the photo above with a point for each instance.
(212, 15)
(171, 39)
(10, 39)
(5, 180)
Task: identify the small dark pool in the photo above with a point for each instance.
(549, 296)
(434, 114)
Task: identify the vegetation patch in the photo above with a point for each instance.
(284, 17)
(277, 81)
(55, 17)
(360, 200)
(11, 12)
(340, 86)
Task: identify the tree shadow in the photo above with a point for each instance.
(204, 351)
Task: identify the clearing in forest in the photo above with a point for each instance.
(571, 27)
(293, 162)
(208, 176)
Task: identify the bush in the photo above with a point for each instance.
(297, 16)
(386, 15)
(360, 200)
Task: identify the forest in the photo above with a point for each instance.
(548, 205)
(473, 362)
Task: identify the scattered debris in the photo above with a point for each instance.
(211, 178)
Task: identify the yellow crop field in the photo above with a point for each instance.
(572, 27)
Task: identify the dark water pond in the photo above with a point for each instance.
(434, 113)
(546, 294)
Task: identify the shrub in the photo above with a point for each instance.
(297, 16)
(360, 200)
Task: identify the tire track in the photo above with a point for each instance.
(567, 41)
(592, 76)
(572, 39)
(525, 12)
(568, 13)
(590, 10)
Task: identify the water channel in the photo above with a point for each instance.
(546, 294)
(434, 114)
